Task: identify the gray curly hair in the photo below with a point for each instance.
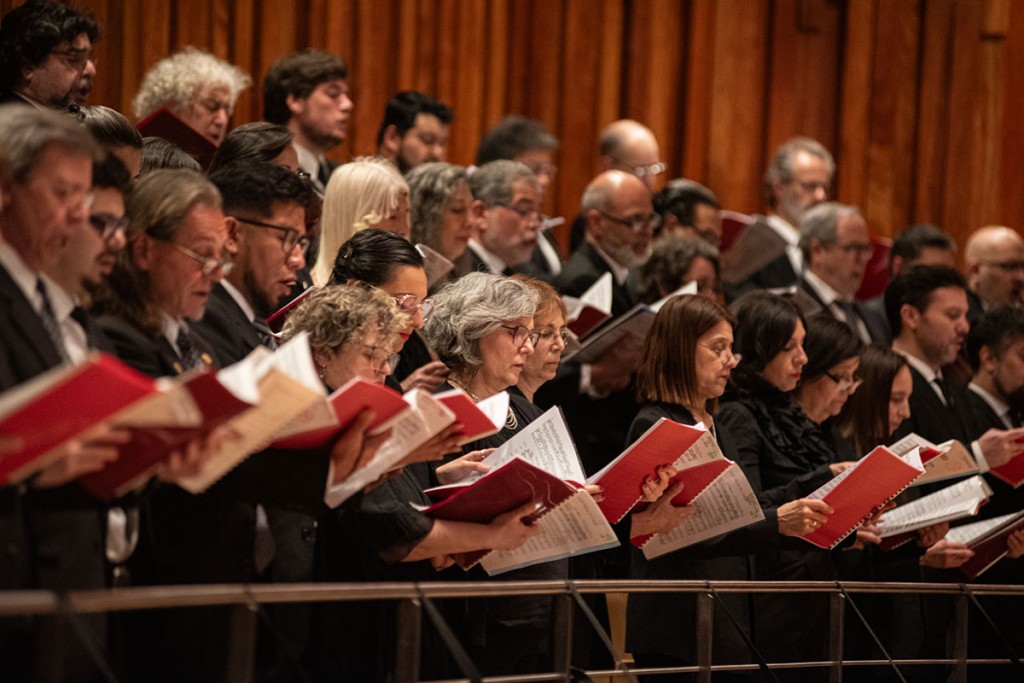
(431, 187)
(178, 81)
(469, 309)
(342, 314)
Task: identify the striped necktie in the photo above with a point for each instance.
(51, 324)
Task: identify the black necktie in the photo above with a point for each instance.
(323, 174)
(189, 356)
(51, 324)
(265, 334)
(947, 396)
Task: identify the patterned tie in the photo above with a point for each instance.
(189, 356)
(265, 334)
(51, 324)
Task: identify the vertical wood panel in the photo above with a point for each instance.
(919, 100)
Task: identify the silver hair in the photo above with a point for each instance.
(431, 187)
(820, 223)
(469, 309)
(780, 169)
(178, 81)
(26, 132)
(492, 182)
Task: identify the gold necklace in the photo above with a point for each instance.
(511, 421)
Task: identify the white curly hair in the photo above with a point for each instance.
(178, 81)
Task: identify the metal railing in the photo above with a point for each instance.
(410, 599)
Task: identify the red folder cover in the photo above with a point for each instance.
(990, 549)
(475, 424)
(875, 480)
(277, 319)
(504, 489)
(347, 402)
(163, 124)
(151, 445)
(662, 444)
(1012, 472)
(587, 321)
(61, 404)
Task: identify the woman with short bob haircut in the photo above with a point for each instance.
(440, 200)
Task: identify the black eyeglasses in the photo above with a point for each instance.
(408, 303)
(845, 383)
(108, 226)
(289, 240)
(210, 264)
(521, 333)
(651, 221)
(533, 215)
(74, 58)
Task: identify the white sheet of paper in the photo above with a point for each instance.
(953, 502)
(545, 443)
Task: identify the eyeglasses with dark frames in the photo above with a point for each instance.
(289, 240)
(521, 333)
(108, 226)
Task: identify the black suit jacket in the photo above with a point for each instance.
(811, 303)
(1005, 499)
(932, 419)
(599, 426)
(226, 328)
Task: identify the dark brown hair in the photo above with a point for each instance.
(668, 370)
(864, 420)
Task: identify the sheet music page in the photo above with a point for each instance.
(953, 502)
(630, 327)
(545, 443)
(599, 294)
(435, 265)
(411, 430)
(575, 527)
(173, 407)
(726, 505)
(974, 532)
(910, 441)
(689, 288)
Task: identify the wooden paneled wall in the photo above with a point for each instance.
(920, 100)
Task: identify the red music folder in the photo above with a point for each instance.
(330, 417)
(503, 489)
(477, 419)
(1012, 472)
(152, 444)
(692, 451)
(61, 404)
(860, 491)
(277, 319)
(163, 124)
(987, 539)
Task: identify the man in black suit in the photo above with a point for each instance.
(45, 53)
(45, 205)
(506, 207)
(835, 245)
(995, 349)
(307, 92)
(529, 142)
(927, 309)
(994, 266)
(766, 254)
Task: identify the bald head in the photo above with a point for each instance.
(994, 260)
(620, 217)
(630, 146)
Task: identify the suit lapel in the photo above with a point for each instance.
(25, 323)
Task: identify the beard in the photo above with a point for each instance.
(624, 255)
(262, 303)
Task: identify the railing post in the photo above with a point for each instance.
(705, 634)
(408, 636)
(958, 634)
(561, 640)
(241, 643)
(836, 615)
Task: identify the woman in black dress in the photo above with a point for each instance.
(686, 364)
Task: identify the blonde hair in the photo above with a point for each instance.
(359, 195)
(177, 82)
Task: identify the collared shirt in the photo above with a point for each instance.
(24, 277)
(492, 261)
(75, 341)
(998, 405)
(239, 299)
(830, 298)
(619, 272)
(926, 371)
(792, 236)
(171, 327)
(310, 161)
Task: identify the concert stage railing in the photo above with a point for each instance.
(413, 603)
